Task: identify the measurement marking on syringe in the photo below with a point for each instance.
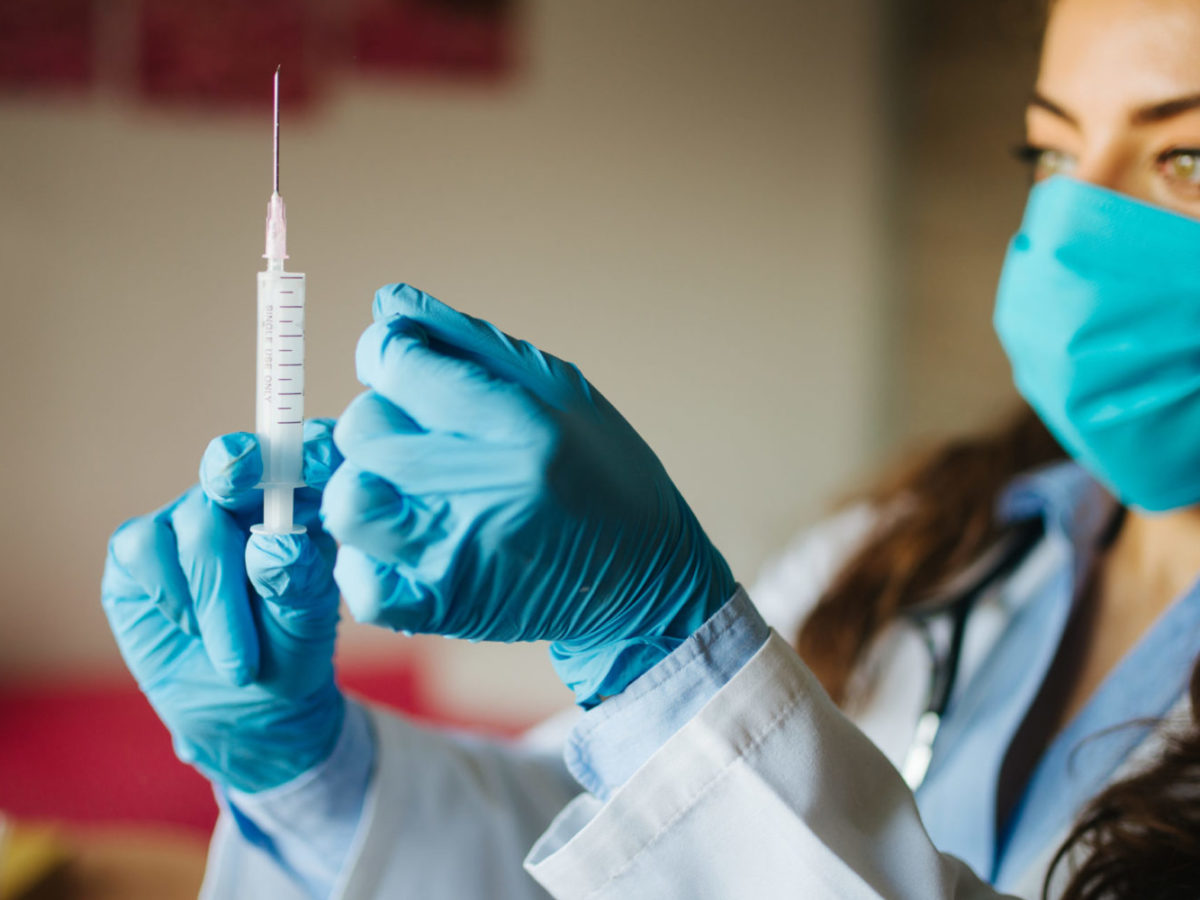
(284, 437)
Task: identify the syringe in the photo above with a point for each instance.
(280, 404)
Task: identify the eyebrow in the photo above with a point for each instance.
(1043, 102)
(1143, 115)
(1157, 112)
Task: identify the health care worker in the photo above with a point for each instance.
(489, 492)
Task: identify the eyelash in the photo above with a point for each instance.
(1176, 152)
(1029, 155)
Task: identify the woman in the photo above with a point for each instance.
(489, 492)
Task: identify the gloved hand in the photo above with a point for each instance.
(243, 681)
(491, 493)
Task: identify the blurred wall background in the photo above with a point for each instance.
(967, 70)
(769, 232)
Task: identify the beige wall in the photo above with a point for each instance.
(971, 70)
(685, 198)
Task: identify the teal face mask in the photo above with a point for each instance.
(1099, 312)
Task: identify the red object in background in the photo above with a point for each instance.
(93, 755)
(224, 52)
(436, 37)
(47, 43)
(97, 754)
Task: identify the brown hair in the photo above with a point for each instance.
(940, 520)
(1140, 837)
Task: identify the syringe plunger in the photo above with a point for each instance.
(277, 510)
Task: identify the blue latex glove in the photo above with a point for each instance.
(243, 681)
(491, 493)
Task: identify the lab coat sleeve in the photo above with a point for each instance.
(768, 791)
(445, 816)
(308, 824)
(612, 741)
(452, 816)
(239, 869)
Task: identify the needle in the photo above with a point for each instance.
(276, 215)
(276, 148)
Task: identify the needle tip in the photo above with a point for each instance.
(278, 67)
(275, 154)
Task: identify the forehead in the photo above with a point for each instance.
(1109, 55)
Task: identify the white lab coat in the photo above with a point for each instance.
(769, 791)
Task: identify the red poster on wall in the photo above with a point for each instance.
(455, 38)
(47, 43)
(222, 52)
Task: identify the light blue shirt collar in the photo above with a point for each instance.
(1065, 497)
(958, 799)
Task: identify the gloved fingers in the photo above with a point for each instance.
(367, 512)
(325, 545)
(211, 554)
(143, 551)
(373, 429)
(321, 460)
(441, 392)
(401, 299)
(149, 642)
(321, 455)
(230, 471)
(441, 321)
(370, 416)
(295, 581)
(379, 594)
(458, 334)
(377, 436)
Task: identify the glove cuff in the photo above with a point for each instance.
(594, 673)
(264, 752)
(606, 671)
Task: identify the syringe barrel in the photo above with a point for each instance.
(280, 393)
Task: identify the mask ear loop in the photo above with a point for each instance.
(998, 561)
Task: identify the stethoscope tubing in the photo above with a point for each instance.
(1000, 560)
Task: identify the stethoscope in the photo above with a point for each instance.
(957, 598)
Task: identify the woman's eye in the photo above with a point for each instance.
(1044, 161)
(1182, 167)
